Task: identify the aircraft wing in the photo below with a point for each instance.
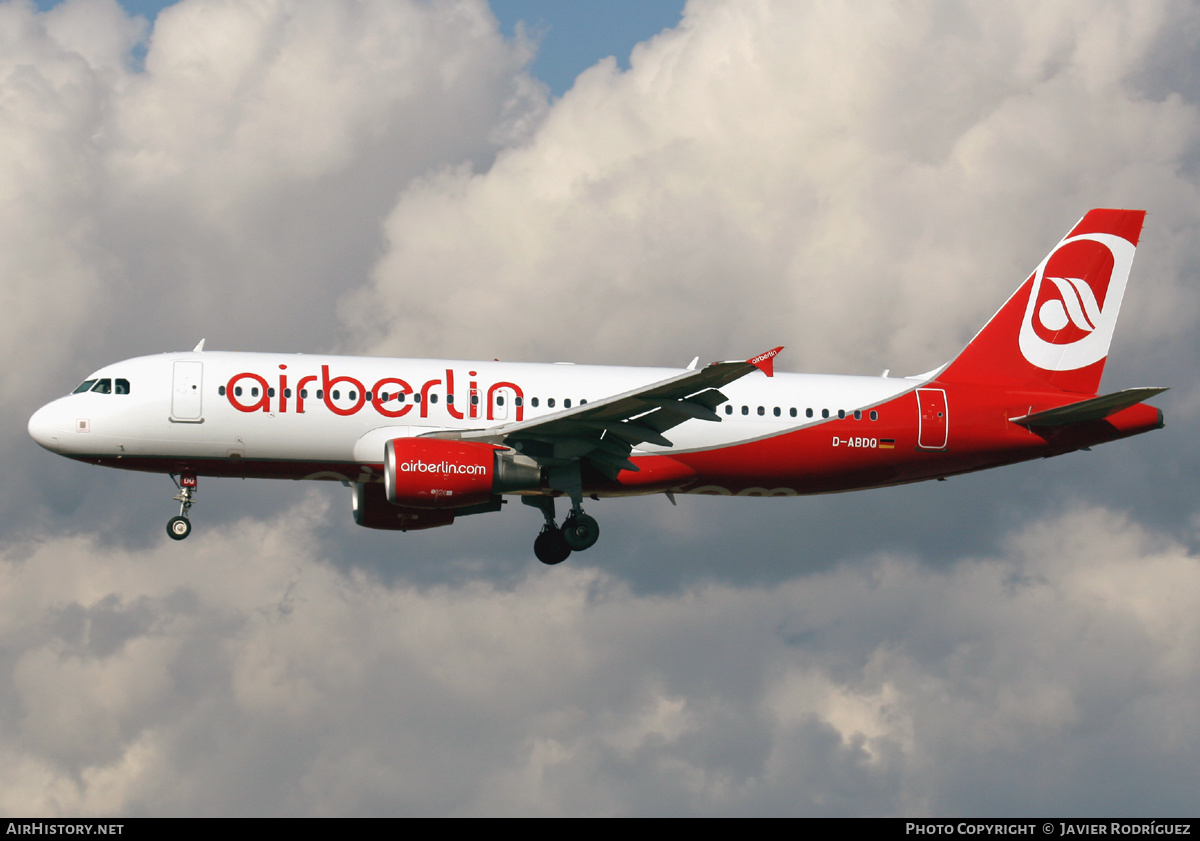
(605, 431)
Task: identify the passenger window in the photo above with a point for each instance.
(808, 413)
(400, 397)
(567, 403)
(237, 391)
(475, 400)
(745, 410)
(518, 401)
(550, 402)
(122, 387)
(858, 414)
(582, 402)
(533, 402)
(777, 412)
(103, 386)
(874, 415)
(761, 411)
(270, 392)
(824, 413)
(433, 398)
(416, 398)
(728, 409)
(254, 391)
(320, 394)
(304, 393)
(792, 411)
(287, 392)
(221, 390)
(499, 399)
(335, 394)
(842, 414)
(86, 385)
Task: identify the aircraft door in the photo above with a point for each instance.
(186, 392)
(933, 419)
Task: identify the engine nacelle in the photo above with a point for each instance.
(439, 473)
(372, 510)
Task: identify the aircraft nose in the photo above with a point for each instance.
(47, 428)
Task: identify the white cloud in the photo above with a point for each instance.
(234, 187)
(241, 673)
(864, 187)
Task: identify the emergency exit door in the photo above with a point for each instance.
(933, 419)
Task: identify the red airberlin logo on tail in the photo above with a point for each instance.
(1073, 305)
(1069, 306)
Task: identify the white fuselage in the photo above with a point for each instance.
(313, 409)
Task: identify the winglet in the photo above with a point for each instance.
(765, 362)
(198, 348)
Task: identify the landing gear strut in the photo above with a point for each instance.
(180, 527)
(579, 531)
(550, 547)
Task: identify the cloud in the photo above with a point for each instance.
(237, 183)
(243, 674)
(235, 187)
(866, 189)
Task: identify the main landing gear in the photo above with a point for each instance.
(553, 544)
(180, 527)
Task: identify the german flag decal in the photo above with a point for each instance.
(887, 443)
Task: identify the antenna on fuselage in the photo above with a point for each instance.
(198, 347)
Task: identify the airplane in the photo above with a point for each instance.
(422, 442)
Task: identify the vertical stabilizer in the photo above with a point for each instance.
(1055, 330)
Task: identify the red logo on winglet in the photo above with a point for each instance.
(765, 362)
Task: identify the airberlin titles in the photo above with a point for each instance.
(391, 397)
(443, 467)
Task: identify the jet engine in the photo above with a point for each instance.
(440, 474)
(372, 510)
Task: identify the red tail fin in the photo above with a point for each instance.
(1055, 330)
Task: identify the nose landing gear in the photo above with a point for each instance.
(180, 527)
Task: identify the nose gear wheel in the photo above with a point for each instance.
(179, 527)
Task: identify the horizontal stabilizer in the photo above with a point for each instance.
(1094, 409)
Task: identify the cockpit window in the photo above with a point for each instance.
(103, 386)
(122, 387)
(86, 385)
